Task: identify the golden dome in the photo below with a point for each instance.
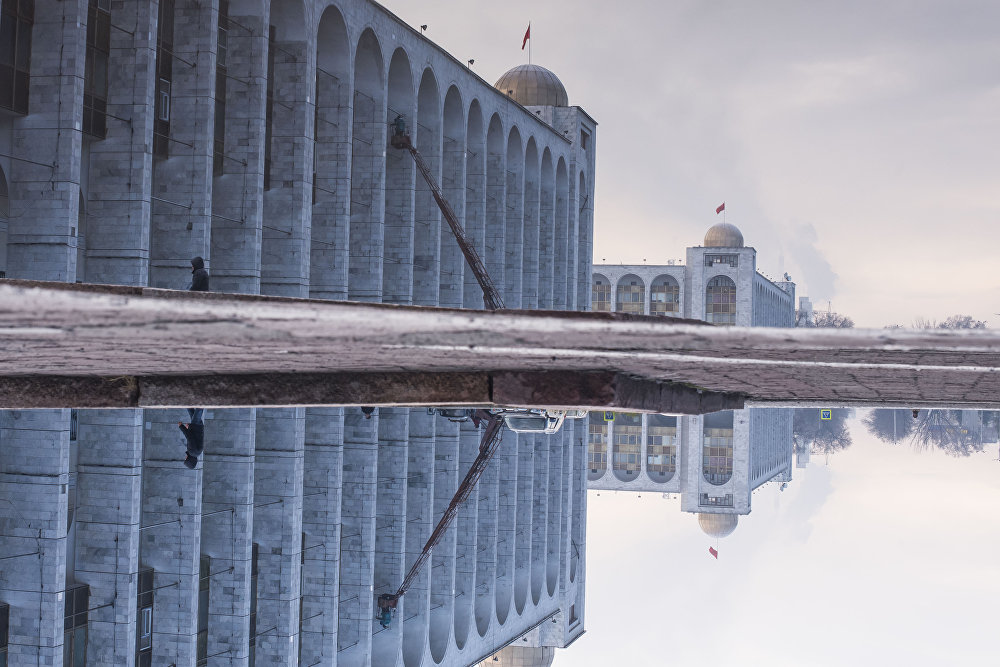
(533, 86)
(717, 525)
(723, 235)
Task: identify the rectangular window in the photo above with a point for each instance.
(164, 78)
(95, 78)
(222, 56)
(269, 107)
(75, 626)
(144, 618)
(253, 603)
(601, 297)
(4, 625)
(204, 589)
(17, 18)
(728, 260)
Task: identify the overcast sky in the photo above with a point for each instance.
(854, 143)
(883, 556)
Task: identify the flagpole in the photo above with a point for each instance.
(529, 42)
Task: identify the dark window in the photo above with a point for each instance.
(730, 260)
(4, 624)
(302, 590)
(720, 301)
(15, 53)
(204, 582)
(269, 108)
(253, 604)
(221, 59)
(75, 626)
(144, 619)
(164, 78)
(95, 78)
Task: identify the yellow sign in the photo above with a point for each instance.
(826, 415)
(609, 416)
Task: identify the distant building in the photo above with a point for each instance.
(713, 461)
(719, 284)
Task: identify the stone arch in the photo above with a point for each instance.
(4, 221)
(665, 296)
(328, 256)
(600, 294)
(465, 547)
(364, 276)
(562, 250)
(514, 225)
(630, 295)
(397, 266)
(475, 197)
(546, 232)
(452, 280)
(487, 517)
(717, 447)
(427, 217)
(530, 244)
(597, 446)
(496, 197)
(626, 451)
(720, 301)
(661, 447)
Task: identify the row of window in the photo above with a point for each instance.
(720, 298)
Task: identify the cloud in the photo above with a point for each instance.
(819, 277)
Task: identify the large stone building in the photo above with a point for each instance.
(719, 283)
(136, 135)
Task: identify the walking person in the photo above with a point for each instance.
(194, 433)
(199, 276)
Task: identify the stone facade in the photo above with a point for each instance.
(263, 149)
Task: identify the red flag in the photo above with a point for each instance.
(721, 208)
(714, 553)
(527, 36)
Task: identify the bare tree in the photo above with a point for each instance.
(830, 320)
(822, 436)
(953, 322)
(946, 430)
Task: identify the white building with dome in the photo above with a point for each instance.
(719, 283)
(713, 462)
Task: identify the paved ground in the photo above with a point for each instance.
(93, 346)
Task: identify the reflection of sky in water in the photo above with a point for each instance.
(877, 554)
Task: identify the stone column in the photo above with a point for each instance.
(237, 194)
(277, 530)
(446, 477)
(453, 263)
(367, 228)
(465, 537)
(487, 494)
(288, 195)
(44, 185)
(171, 536)
(531, 238)
(119, 187)
(227, 531)
(357, 539)
(496, 207)
(507, 465)
(321, 495)
(107, 519)
(331, 193)
(34, 477)
(182, 182)
(419, 523)
(514, 233)
(539, 513)
(523, 518)
(475, 208)
(390, 523)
